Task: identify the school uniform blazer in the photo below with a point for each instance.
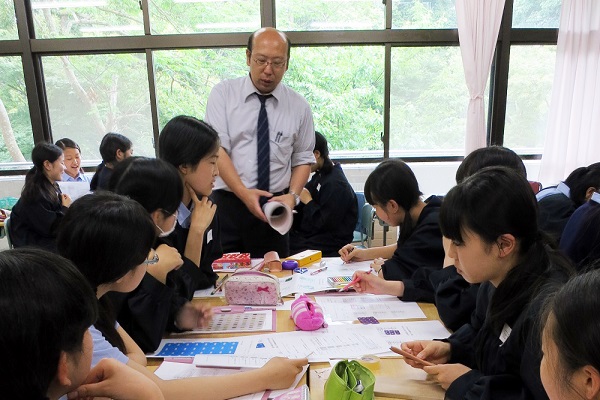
(327, 222)
(194, 278)
(503, 371)
(554, 212)
(455, 298)
(580, 241)
(36, 223)
(420, 254)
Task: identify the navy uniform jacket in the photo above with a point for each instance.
(553, 213)
(327, 222)
(36, 223)
(580, 241)
(150, 310)
(506, 371)
(420, 255)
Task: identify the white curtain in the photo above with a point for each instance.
(573, 131)
(478, 26)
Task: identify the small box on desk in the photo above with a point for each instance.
(231, 261)
(306, 257)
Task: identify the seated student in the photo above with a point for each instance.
(192, 147)
(394, 192)
(47, 307)
(580, 241)
(109, 238)
(557, 204)
(455, 297)
(114, 148)
(73, 170)
(37, 214)
(164, 291)
(328, 207)
(495, 241)
(570, 342)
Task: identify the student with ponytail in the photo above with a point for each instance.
(491, 220)
(394, 192)
(37, 214)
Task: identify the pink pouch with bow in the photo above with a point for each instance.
(307, 315)
(252, 288)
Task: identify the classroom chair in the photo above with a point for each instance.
(7, 230)
(359, 231)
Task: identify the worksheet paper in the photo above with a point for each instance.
(249, 321)
(174, 370)
(396, 333)
(349, 308)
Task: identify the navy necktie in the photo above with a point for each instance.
(263, 152)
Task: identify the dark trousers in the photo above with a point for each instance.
(241, 231)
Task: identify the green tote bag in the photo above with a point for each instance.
(349, 380)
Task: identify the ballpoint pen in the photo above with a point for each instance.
(316, 271)
(354, 281)
(219, 285)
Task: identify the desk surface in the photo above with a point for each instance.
(394, 378)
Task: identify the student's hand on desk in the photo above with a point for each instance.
(203, 213)
(376, 284)
(113, 379)
(250, 198)
(431, 350)
(193, 315)
(168, 260)
(445, 374)
(351, 253)
(65, 200)
(280, 372)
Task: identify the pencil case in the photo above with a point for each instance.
(307, 315)
(252, 288)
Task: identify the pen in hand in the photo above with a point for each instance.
(353, 282)
(219, 285)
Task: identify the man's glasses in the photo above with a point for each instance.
(275, 64)
(153, 260)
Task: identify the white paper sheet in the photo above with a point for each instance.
(279, 216)
(349, 308)
(75, 190)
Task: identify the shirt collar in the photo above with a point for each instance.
(249, 89)
(183, 215)
(564, 189)
(596, 197)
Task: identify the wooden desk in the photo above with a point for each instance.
(394, 375)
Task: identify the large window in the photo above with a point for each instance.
(8, 23)
(536, 13)
(91, 95)
(420, 14)
(429, 99)
(15, 124)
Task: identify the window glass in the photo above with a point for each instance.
(344, 87)
(528, 97)
(15, 123)
(184, 78)
(428, 103)
(536, 13)
(8, 23)
(192, 16)
(91, 95)
(86, 18)
(329, 15)
(422, 14)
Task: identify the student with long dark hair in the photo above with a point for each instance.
(557, 204)
(394, 192)
(328, 207)
(73, 170)
(114, 148)
(192, 147)
(491, 220)
(37, 214)
(570, 367)
(47, 307)
(161, 303)
(109, 238)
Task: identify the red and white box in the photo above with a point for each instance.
(232, 261)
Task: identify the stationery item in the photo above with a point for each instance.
(316, 271)
(253, 288)
(299, 270)
(368, 309)
(339, 282)
(370, 361)
(289, 264)
(245, 321)
(306, 257)
(220, 285)
(232, 261)
(190, 349)
(299, 393)
(350, 380)
(270, 262)
(368, 320)
(307, 315)
(353, 282)
(408, 355)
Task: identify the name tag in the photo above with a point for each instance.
(209, 236)
(319, 187)
(506, 330)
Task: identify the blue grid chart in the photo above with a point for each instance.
(190, 349)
